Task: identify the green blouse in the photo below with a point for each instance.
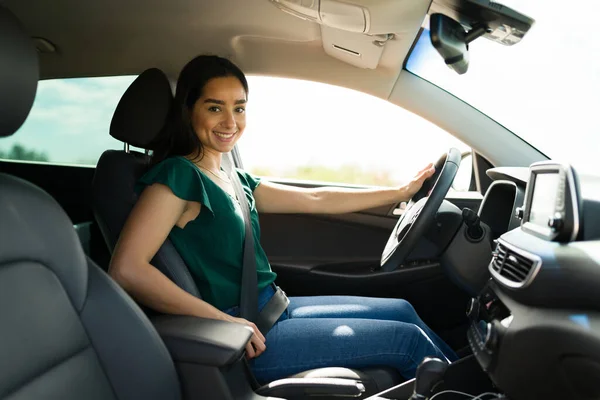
(212, 244)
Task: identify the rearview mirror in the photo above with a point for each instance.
(448, 37)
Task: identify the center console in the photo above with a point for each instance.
(489, 318)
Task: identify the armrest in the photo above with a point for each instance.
(202, 341)
(300, 388)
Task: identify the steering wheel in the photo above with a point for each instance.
(420, 211)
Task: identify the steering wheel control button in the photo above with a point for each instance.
(403, 232)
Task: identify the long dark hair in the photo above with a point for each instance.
(179, 138)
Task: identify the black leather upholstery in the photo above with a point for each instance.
(113, 190)
(143, 109)
(18, 73)
(202, 341)
(67, 330)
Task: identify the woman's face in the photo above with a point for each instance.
(219, 115)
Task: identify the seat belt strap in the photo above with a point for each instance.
(249, 291)
(249, 285)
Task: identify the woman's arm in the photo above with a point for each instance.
(146, 229)
(275, 198)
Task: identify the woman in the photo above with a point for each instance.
(189, 198)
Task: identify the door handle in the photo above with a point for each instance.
(399, 209)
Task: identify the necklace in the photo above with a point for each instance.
(228, 181)
(228, 187)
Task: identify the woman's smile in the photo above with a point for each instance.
(225, 136)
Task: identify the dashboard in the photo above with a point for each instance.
(535, 326)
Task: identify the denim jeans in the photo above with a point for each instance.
(345, 331)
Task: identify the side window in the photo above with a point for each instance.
(69, 122)
(316, 132)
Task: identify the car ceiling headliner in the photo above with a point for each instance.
(122, 37)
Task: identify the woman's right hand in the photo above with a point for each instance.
(256, 345)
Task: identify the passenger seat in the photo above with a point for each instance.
(68, 331)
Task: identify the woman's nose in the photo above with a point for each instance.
(229, 121)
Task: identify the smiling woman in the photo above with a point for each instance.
(187, 197)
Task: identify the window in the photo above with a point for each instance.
(69, 122)
(312, 131)
(544, 88)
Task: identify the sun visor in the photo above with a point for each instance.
(358, 49)
(356, 31)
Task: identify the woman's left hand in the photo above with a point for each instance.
(411, 188)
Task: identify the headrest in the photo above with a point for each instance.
(143, 110)
(19, 73)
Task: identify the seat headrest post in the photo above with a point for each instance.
(126, 148)
(19, 73)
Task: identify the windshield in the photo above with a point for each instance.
(545, 89)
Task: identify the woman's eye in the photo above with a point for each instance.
(240, 110)
(214, 109)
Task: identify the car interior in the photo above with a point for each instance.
(506, 272)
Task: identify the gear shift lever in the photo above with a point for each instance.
(429, 373)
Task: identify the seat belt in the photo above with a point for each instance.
(249, 290)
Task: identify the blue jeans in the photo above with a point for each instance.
(345, 331)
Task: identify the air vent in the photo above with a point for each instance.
(514, 268)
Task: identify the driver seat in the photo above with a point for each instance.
(139, 118)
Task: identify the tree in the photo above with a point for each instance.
(19, 152)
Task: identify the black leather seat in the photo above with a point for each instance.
(139, 117)
(67, 330)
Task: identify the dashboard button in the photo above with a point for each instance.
(556, 222)
(491, 338)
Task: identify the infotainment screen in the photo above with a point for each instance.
(543, 204)
(551, 208)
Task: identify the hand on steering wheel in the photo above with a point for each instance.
(413, 187)
(420, 211)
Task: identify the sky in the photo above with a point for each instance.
(546, 89)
